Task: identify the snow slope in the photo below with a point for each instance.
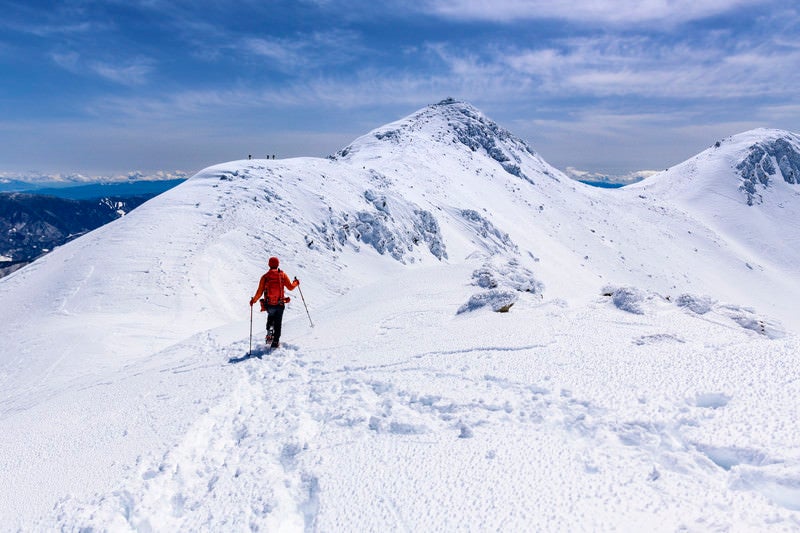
(618, 391)
(747, 188)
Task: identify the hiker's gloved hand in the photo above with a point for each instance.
(296, 280)
(252, 301)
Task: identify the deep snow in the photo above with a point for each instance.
(644, 375)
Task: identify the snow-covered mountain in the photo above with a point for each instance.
(615, 390)
(747, 188)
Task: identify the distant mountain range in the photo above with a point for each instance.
(104, 190)
(32, 224)
(80, 189)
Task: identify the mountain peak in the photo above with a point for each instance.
(451, 122)
(745, 167)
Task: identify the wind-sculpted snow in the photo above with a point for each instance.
(392, 227)
(494, 239)
(697, 304)
(376, 230)
(498, 271)
(765, 161)
(628, 299)
(502, 280)
(499, 300)
(641, 302)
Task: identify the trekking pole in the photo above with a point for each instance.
(251, 332)
(304, 304)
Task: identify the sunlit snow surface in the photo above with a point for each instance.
(645, 374)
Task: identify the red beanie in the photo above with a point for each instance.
(273, 262)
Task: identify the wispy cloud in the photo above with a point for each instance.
(636, 75)
(64, 19)
(126, 72)
(585, 11)
(324, 48)
(612, 65)
(67, 60)
(135, 72)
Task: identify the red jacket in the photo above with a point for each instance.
(271, 286)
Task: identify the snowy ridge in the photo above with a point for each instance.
(745, 188)
(759, 161)
(615, 385)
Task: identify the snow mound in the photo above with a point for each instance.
(749, 319)
(628, 299)
(499, 300)
(499, 271)
(502, 278)
(641, 302)
(696, 304)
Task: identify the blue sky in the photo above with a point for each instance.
(98, 87)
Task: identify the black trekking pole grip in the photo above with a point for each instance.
(304, 304)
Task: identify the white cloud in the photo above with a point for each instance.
(46, 30)
(78, 178)
(284, 53)
(66, 60)
(598, 68)
(134, 73)
(131, 72)
(586, 11)
(623, 179)
(711, 67)
(304, 51)
(616, 142)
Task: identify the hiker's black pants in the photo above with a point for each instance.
(274, 320)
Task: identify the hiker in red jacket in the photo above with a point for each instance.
(271, 286)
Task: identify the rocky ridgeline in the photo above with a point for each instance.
(767, 161)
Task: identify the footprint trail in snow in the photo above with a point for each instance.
(303, 444)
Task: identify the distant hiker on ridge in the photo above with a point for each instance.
(271, 286)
